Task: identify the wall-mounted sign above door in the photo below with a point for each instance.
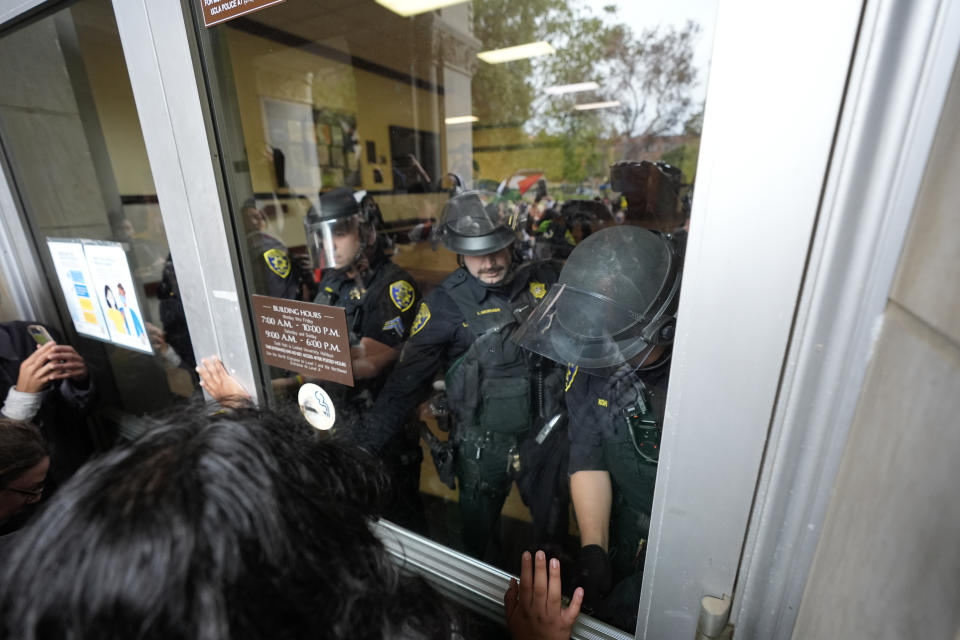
(217, 11)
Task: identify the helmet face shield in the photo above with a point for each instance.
(477, 223)
(571, 326)
(334, 243)
(615, 302)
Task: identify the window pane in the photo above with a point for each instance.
(70, 132)
(429, 172)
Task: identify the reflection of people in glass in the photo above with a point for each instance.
(172, 342)
(280, 271)
(114, 314)
(464, 328)
(611, 317)
(129, 315)
(146, 261)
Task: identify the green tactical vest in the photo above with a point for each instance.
(489, 386)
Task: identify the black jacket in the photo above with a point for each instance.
(62, 413)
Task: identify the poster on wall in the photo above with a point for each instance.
(344, 141)
(76, 284)
(289, 129)
(98, 286)
(320, 146)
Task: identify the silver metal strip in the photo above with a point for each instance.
(750, 233)
(901, 75)
(186, 174)
(20, 264)
(12, 10)
(469, 581)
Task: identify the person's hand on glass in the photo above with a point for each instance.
(158, 339)
(534, 607)
(221, 386)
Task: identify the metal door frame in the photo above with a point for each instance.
(898, 85)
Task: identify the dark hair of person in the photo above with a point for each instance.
(22, 447)
(107, 292)
(240, 525)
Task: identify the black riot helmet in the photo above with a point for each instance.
(340, 212)
(616, 300)
(475, 223)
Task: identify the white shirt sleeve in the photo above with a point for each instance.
(20, 405)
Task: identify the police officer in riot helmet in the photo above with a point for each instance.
(611, 318)
(464, 328)
(380, 300)
(379, 297)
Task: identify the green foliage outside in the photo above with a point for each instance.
(650, 73)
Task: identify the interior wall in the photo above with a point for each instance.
(104, 63)
(888, 561)
(38, 112)
(261, 70)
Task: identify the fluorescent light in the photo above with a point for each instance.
(519, 52)
(461, 119)
(408, 8)
(588, 106)
(572, 88)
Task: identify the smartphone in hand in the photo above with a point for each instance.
(40, 334)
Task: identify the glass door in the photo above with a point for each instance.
(71, 138)
(349, 135)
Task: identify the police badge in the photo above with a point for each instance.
(401, 293)
(571, 374)
(538, 289)
(419, 322)
(277, 262)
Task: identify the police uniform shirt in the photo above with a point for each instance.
(278, 268)
(381, 306)
(440, 334)
(595, 406)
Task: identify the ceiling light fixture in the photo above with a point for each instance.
(572, 88)
(461, 119)
(407, 8)
(589, 106)
(519, 52)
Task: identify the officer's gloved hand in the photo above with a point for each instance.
(443, 456)
(594, 575)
